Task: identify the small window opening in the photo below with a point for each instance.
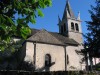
(77, 28)
(47, 60)
(67, 59)
(72, 26)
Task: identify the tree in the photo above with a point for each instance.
(13, 52)
(10, 25)
(92, 43)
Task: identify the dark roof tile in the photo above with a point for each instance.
(50, 37)
(45, 37)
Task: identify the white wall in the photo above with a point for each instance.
(29, 52)
(77, 36)
(57, 56)
(74, 21)
(74, 58)
(96, 60)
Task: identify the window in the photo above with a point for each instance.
(67, 59)
(72, 25)
(64, 27)
(47, 60)
(77, 28)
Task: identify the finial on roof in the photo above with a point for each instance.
(78, 18)
(59, 19)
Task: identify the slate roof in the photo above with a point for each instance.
(44, 37)
(64, 39)
(50, 37)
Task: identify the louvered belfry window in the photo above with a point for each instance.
(72, 25)
(77, 28)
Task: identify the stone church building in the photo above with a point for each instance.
(57, 51)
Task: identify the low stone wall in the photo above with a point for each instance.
(16, 72)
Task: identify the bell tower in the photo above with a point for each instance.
(70, 26)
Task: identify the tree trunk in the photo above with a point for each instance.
(91, 63)
(86, 61)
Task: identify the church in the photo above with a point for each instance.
(57, 51)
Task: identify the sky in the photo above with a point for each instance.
(50, 19)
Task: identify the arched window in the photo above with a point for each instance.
(47, 60)
(64, 27)
(72, 25)
(77, 28)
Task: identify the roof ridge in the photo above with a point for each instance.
(55, 37)
(50, 37)
(66, 38)
(47, 37)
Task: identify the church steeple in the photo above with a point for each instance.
(68, 13)
(70, 26)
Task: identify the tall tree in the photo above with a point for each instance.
(10, 25)
(93, 36)
(92, 43)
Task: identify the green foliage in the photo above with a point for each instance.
(40, 13)
(12, 51)
(93, 36)
(26, 66)
(26, 10)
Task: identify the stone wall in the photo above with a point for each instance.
(76, 35)
(57, 56)
(74, 58)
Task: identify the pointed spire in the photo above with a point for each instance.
(68, 16)
(68, 13)
(78, 18)
(59, 20)
(70, 10)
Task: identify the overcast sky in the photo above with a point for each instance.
(50, 19)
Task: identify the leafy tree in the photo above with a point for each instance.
(10, 25)
(92, 43)
(26, 66)
(14, 51)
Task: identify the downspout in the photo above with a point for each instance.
(65, 58)
(34, 56)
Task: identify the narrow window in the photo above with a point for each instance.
(77, 28)
(47, 60)
(67, 59)
(64, 27)
(72, 25)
